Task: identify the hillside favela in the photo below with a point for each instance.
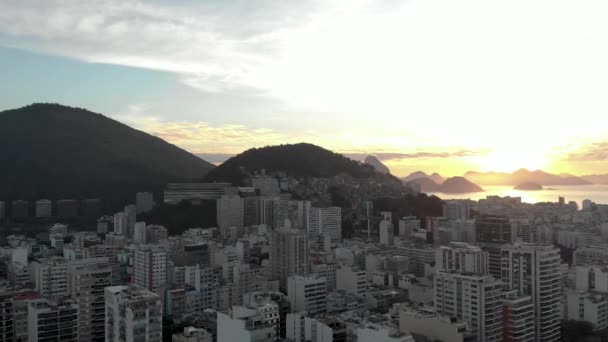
(303, 171)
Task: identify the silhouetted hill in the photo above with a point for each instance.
(426, 184)
(523, 176)
(459, 185)
(377, 164)
(53, 151)
(297, 160)
(596, 179)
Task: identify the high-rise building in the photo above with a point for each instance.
(324, 222)
(474, 299)
(463, 258)
(132, 314)
(139, 233)
(150, 268)
(86, 282)
(50, 277)
(131, 217)
(307, 293)
(144, 202)
(302, 328)
(155, 233)
(518, 318)
(288, 254)
(44, 208)
(245, 324)
(534, 270)
(494, 229)
(120, 224)
(387, 233)
(456, 210)
(230, 213)
(50, 321)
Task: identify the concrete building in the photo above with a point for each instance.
(247, 324)
(131, 217)
(44, 208)
(192, 334)
(456, 210)
(268, 186)
(150, 268)
(288, 255)
(517, 318)
(586, 306)
(590, 255)
(429, 326)
(302, 328)
(139, 233)
(86, 282)
(387, 233)
(324, 222)
(132, 314)
(230, 213)
(155, 233)
(474, 299)
(50, 277)
(351, 280)
(328, 271)
(534, 270)
(462, 258)
(50, 321)
(144, 202)
(120, 224)
(307, 294)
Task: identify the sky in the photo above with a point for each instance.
(435, 85)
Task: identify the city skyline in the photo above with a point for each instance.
(356, 77)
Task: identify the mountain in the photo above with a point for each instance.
(435, 177)
(297, 160)
(458, 185)
(523, 176)
(53, 151)
(596, 179)
(377, 164)
(426, 184)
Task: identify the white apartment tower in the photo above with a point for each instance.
(324, 222)
(50, 277)
(474, 299)
(307, 293)
(86, 282)
(534, 270)
(463, 258)
(150, 268)
(49, 321)
(132, 314)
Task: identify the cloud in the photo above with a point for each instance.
(593, 152)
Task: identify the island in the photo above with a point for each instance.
(529, 186)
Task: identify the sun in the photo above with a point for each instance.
(512, 158)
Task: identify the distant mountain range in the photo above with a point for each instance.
(453, 185)
(524, 176)
(596, 179)
(55, 152)
(435, 177)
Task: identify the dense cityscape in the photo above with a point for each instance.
(277, 268)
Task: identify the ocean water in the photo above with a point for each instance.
(577, 193)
